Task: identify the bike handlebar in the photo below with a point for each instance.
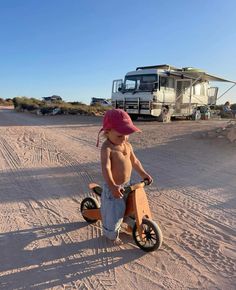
(135, 186)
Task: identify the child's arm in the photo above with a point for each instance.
(137, 166)
(106, 171)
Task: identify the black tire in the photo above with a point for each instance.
(133, 117)
(89, 203)
(153, 236)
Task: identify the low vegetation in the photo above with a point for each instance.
(6, 102)
(56, 107)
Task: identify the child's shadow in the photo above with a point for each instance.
(55, 265)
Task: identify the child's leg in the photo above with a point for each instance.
(112, 211)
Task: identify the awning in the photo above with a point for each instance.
(185, 72)
(203, 76)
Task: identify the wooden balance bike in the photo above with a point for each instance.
(146, 233)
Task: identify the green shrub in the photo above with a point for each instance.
(23, 103)
(73, 108)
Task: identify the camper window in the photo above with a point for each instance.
(171, 83)
(163, 82)
(166, 83)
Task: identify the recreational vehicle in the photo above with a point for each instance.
(155, 90)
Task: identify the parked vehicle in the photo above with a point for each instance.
(52, 99)
(100, 101)
(153, 90)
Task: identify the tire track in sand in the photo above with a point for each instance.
(43, 209)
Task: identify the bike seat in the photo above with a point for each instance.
(95, 188)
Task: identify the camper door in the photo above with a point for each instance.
(183, 94)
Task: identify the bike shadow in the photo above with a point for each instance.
(59, 259)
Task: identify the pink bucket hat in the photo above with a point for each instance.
(118, 120)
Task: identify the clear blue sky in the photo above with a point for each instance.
(75, 48)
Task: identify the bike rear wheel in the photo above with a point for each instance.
(89, 203)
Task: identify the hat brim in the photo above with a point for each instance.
(127, 130)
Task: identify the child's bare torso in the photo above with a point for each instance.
(121, 166)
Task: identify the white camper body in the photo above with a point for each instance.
(148, 91)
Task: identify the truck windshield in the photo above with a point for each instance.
(140, 82)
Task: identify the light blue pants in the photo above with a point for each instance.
(112, 211)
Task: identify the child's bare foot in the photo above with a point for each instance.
(127, 229)
(118, 242)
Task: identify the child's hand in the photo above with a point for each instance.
(148, 177)
(117, 191)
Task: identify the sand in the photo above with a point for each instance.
(46, 164)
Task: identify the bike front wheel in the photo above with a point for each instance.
(151, 239)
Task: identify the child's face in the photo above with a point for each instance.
(116, 138)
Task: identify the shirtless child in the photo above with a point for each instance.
(117, 160)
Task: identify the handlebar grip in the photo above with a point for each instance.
(147, 182)
(133, 187)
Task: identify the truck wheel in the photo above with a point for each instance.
(133, 117)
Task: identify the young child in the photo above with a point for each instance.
(117, 160)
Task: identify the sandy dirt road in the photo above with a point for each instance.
(46, 164)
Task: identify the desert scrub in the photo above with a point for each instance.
(67, 108)
(6, 102)
(23, 103)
